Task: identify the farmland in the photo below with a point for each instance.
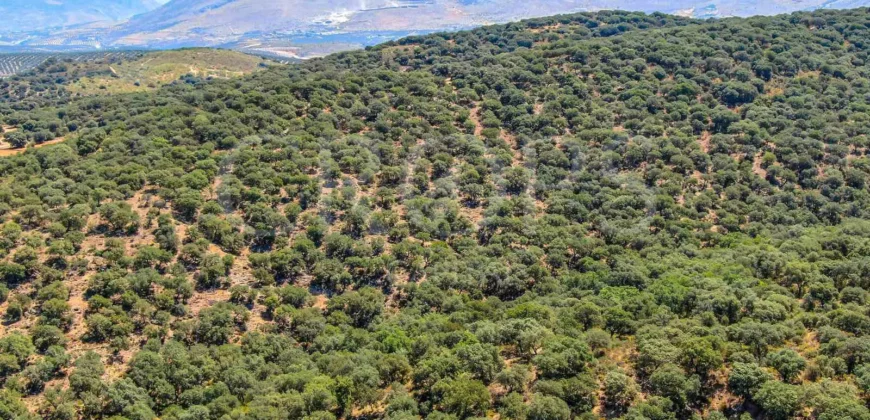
(16, 63)
(13, 63)
(58, 78)
(158, 68)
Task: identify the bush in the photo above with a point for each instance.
(778, 400)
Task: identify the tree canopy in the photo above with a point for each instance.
(591, 215)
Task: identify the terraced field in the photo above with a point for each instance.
(58, 78)
(16, 63)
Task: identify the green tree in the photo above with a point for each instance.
(463, 397)
(482, 360)
(746, 378)
(16, 139)
(120, 217)
(548, 408)
(778, 400)
(671, 382)
(620, 391)
(788, 363)
(362, 306)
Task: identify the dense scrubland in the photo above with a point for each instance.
(596, 215)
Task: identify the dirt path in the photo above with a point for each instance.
(756, 165)
(475, 118)
(704, 141)
(6, 150)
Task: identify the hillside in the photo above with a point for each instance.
(596, 215)
(159, 68)
(58, 78)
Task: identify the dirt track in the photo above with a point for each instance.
(6, 151)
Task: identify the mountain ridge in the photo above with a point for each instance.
(44, 14)
(270, 26)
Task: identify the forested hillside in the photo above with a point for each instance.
(609, 215)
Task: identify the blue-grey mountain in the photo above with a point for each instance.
(29, 15)
(291, 27)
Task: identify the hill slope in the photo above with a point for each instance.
(159, 68)
(58, 78)
(595, 215)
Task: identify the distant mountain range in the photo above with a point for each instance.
(288, 27)
(29, 15)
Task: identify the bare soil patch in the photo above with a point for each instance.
(7, 150)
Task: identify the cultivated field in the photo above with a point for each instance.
(155, 69)
(16, 63)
